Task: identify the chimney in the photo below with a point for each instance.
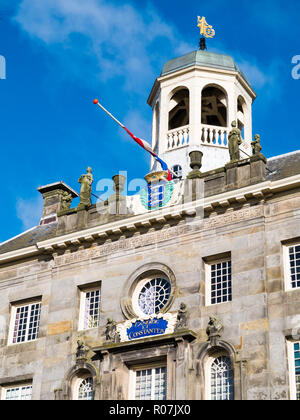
(53, 200)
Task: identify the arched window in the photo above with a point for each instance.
(214, 107)
(177, 169)
(179, 109)
(220, 379)
(85, 389)
(82, 386)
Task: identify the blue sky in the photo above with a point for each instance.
(60, 54)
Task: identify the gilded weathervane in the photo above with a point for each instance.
(206, 31)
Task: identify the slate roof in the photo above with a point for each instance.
(279, 167)
(202, 59)
(29, 238)
(283, 166)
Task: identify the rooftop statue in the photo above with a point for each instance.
(86, 182)
(256, 146)
(66, 201)
(234, 141)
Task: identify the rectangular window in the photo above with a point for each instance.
(151, 384)
(294, 369)
(22, 392)
(294, 266)
(297, 368)
(218, 282)
(90, 309)
(26, 322)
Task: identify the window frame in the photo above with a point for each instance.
(208, 366)
(178, 175)
(208, 283)
(14, 308)
(5, 388)
(138, 289)
(287, 266)
(77, 385)
(139, 368)
(291, 369)
(83, 292)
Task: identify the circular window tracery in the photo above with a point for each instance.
(138, 280)
(151, 296)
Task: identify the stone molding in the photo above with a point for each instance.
(156, 237)
(143, 272)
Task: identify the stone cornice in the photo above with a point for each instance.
(177, 212)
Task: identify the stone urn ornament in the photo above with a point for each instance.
(196, 164)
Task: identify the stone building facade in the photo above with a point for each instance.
(189, 290)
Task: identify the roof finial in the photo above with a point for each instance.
(206, 31)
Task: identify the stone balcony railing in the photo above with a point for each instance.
(214, 136)
(178, 137)
(210, 135)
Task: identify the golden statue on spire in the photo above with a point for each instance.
(205, 29)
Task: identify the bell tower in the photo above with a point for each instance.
(194, 101)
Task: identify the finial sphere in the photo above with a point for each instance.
(96, 101)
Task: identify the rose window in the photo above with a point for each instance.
(154, 296)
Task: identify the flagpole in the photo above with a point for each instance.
(96, 102)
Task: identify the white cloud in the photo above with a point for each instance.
(116, 38)
(30, 211)
(256, 76)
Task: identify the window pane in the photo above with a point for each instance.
(154, 296)
(221, 282)
(143, 385)
(27, 323)
(297, 369)
(86, 390)
(221, 379)
(19, 393)
(92, 309)
(151, 384)
(294, 256)
(160, 383)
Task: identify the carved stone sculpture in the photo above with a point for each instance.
(66, 201)
(182, 318)
(86, 182)
(256, 146)
(234, 141)
(214, 330)
(82, 350)
(111, 333)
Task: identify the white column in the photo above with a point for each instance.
(195, 111)
(248, 123)
(232, 105)
(164, 122)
